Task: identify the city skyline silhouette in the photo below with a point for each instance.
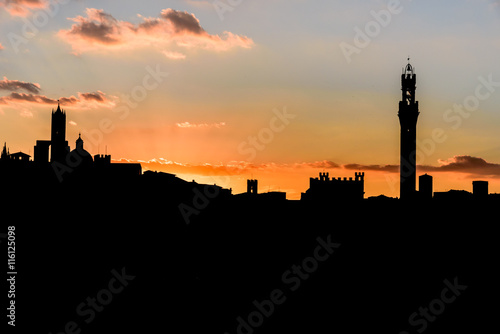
(79, 166)
(249, 167)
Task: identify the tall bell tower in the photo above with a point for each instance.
(59, 146)
(408, 115)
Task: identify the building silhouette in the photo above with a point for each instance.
(425, 187)
(14, 158)
(335, 189)
(59, 147)
(480, 189)
(57, 144)
(252, 193)
(252, 186)
(408, 115)
(55, 163)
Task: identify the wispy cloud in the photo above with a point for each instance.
(27, 93)
(234, 167)
(471, 166)
(174, 55)
(100, 31)
(189, 125)
(466, 164)
(83, 101)
(22, 7)
(374, 168)
(15, 85)
(200, 3)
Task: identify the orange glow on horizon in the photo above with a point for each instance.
(294, 179)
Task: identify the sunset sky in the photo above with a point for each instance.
(276, 90)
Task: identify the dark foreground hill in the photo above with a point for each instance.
(131, 264)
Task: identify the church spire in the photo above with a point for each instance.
(5, 154)
(79, 141)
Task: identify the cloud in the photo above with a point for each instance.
(98, 96)
(14, 85)
(473, 166)
(325, 164)
(23, 97)
(182, 22)
(200, 125)
(100, 31)
(174, 55)
(232, 168)
(24, 94)
(467, 164)
(98, 27)
(374, 168)
(1, 46)
(23, 7)
(200, 3)
(83, 101)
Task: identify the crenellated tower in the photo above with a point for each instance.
(252, 186)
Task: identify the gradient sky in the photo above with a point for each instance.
(232, 69)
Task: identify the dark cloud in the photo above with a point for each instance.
(100, 31)
(466, 164)
(460, 164)
(33, 97)
(99, 27)
(22, 97)
(98, 96)
(183, 21)
(375, 168)
(14, 85)
(84, 100)
(103, 28)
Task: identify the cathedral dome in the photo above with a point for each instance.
(79, 153)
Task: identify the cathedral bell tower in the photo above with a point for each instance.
(408, 115)
(59, 145)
